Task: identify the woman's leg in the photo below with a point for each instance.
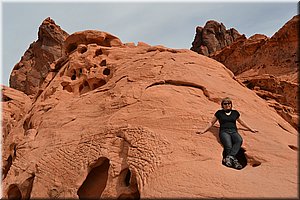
(225, 139)
(237, 142)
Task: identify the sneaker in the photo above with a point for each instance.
(236, 163)
(228, 161)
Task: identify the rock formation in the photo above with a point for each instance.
(260, 55)
(116, 120)
(15, 104)
(269, 66)
(213, 37)
(30, 72)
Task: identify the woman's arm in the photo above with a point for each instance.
(209, 125)
(246, 125)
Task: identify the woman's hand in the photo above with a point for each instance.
(253, 130)
(246, 125)
(209, 125)
(200, 132)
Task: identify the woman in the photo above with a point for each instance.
(229, 136)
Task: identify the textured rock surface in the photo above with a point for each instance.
(269, 66)
(280, 94)
(15, 104)
(262, 55)
(30, 72)
(213, 37)
(120, 120)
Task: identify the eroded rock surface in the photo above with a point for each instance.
(281, 95)
(114, 120)
(15, 105)
(120, 122)
(28, 75)
(260, 55)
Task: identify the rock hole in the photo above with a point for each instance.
(68, 88)
(82, 49)
(293, 147)
(99, 83)
(84, 87)
(6, 167)
(13, 148)
(96, 180)
(27, 124)
(127, 178)
(255, 164)
(73, 77)
(129, 181)
(98, 52)
(71, 47)
(103, 63)
(14, 192)
(27, 184)
(106, 71)
(241, 157)
(252, 161)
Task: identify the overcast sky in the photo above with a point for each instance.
(171, 24)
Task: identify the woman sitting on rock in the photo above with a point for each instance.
(229, 137)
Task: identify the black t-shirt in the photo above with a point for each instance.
(227, 121)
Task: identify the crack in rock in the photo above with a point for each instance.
(185, 84)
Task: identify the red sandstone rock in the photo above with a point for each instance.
(91, 37)
(15, 105)
(120, 122)
(213, 37)
(261, 55)
(239, 55)
(28, 75)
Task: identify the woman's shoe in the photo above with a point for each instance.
(228, 161)
(236, 164)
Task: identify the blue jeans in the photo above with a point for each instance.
(231, 141)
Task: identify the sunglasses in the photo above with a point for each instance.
(226, 104)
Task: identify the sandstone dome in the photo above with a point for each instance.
(120, 121)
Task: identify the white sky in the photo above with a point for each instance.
(168, 23)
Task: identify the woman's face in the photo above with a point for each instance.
(227, 105)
